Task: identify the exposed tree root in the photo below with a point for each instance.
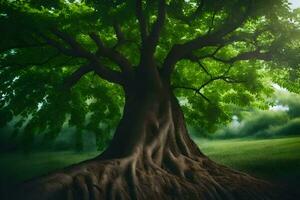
(150, 157)
(127, 178)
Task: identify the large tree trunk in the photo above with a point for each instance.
(150, 156)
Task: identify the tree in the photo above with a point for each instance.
(52, 52)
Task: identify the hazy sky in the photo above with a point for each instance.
(295, 3)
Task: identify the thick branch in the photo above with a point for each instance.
(98, 68)
(246, 37)
(76, 48)
(141, 19)
(150, 42)
(179, 51)
(157, 26)
(111, 54)
(108, 74)
(121, 39)
(57, 45)
(76, 75)
(78, 51)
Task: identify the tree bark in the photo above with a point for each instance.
(150, 156)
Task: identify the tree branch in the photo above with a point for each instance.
(108, 74)
(141, 19)
(119, 33)
(98, 68)
(196, 90)
(196, 59)
(78, 51)
(157, 26)
(115, 56)
(76, 75)
(178, 14)
(121, 39)
(227, 79)
(212, 22)
(179, 51)
(76, 48)
(197, 12)
(223, 77)
(57, 45)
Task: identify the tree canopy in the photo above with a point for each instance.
(62, 62)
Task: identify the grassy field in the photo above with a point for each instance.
(273, 159)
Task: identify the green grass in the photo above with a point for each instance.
(273, 159)
(17, 167)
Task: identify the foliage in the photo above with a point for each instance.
(38, 55)
(282, 119)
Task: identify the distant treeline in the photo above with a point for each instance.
(66, 140)
(282, 120)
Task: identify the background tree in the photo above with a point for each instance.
(52, 53)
